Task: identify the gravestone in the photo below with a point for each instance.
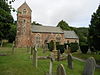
(13, 46)
(69, 60)
(35, 57)
(55, 51)
(31, 50)
(61, 70)
(58, 56)
(50, 68)
(89, 66)
(28, 49)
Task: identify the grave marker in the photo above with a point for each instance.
(35, 57)
(69, 60)
(89, 66)
(61, 70)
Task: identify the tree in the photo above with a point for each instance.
(94, 30)
(63, 25)
(6, 19)
(74, 47)
(82, 33)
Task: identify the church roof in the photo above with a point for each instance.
(70, 34)
(46, 29)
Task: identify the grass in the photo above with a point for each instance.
(20, 64)
(86, 56)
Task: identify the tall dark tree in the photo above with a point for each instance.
(6, 19)
(63, 25)
(94, 30)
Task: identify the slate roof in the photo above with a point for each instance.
(70, 34)
(46, 29)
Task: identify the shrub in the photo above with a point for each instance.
(61, 48)
(51, 45)
(74, 47)
(84, 48)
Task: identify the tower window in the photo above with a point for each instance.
(24, 11)
(24, 21)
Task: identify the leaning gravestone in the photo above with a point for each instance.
(61, 70)
(89, 66)
(69, 60)
(35, 57)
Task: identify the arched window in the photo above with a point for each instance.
(67, 41)
(58, 38)
(24, 11)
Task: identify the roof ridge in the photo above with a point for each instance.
(45, 26)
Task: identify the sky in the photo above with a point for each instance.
(76, 13)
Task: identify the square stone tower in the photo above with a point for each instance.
(23, 36)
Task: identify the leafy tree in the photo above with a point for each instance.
(63, 25)
(84, 48)
(6, 20)
(94, 30)
(82, 33)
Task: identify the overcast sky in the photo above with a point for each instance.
(76, 13)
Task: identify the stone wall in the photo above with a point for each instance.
(42, 38)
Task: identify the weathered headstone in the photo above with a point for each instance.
(13, 46)
(61, 70)
(50, 68)
(35, 57)
(89, 66)
(31, 50)
(28, 49)
(58, 56)
(69, 60)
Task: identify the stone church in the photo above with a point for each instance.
(30, 35)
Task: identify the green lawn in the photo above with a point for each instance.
(20, 64)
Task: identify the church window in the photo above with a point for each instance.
(24, 11)
(58, 38)
(24, 21)
(67, 41)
